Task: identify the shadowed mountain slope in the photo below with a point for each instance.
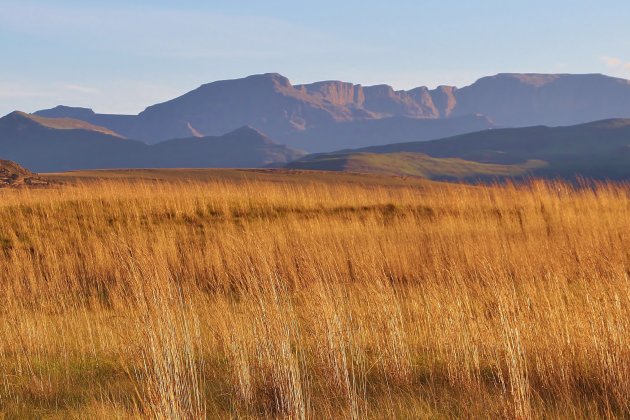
(42, 148)
(47, 145)
(353, 134)
(245, 147)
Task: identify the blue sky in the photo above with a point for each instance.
(121, 56)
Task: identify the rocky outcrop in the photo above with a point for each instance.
(444, 100)
(14, 175)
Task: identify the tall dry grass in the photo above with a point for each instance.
(260, 299)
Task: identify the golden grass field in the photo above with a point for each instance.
(297, 295)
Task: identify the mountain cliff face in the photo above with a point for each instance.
(49, 145)
(271, 104)
(444, 100)
(288, 113)
(373, 101)
(266, 102)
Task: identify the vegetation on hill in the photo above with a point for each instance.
(415, 164)
(599, 150)
(240, 298)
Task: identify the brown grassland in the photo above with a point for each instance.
(249, 297)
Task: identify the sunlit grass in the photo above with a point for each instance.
(235, 299)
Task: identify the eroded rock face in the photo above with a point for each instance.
(335, 92)
(380, 101)
(267, 102)
(444, 100)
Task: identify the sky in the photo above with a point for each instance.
(120, 56)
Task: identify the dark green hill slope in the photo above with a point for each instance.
(598, 150)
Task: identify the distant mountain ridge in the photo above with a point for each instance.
(518, 100)
(299, 113)
(267, 102)
(50, 145)
(61, 123)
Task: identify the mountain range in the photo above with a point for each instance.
(502, 125)
(333, 115)
(599, 150)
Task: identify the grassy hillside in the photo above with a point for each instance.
(598, 150)
(416, 164)
(270, 299)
